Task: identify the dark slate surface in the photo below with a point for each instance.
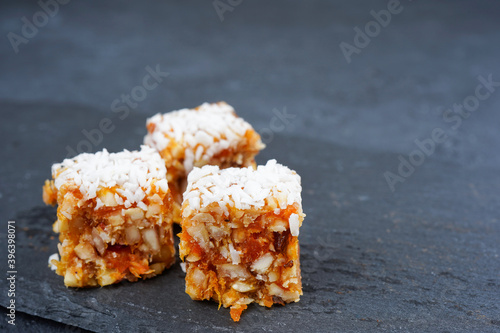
(422, 258)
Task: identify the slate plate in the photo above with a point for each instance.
(424, 258)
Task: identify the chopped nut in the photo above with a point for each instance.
(115, 219)
(132, 235)
(153, 209)
(199, 277)
(158, 267)
(262, 264)
(56, 227)
(287, 296)
(108, 198)
(85, 251)
(200, 234)
(67, 206)
(238, 214)
(106, 278)
(151, 239)
(70, 279)
(278, 225)
(273, 276)
(203, 218)
(242, 287)
(216, 232)
(192, 257)
(135, 214)
(233, 271)
(98, 242)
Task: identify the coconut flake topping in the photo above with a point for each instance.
(243, 188)
(202, 132)
(133, 172)
(54, 256)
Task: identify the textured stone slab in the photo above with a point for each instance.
(423, 258)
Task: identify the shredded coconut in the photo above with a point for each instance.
(134, 172)
(262, 264)
(51, 265)
(294, 224)
(202, 132)
(243, 188)
(235, 254)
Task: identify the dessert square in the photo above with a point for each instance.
(208, 134)
(114, 217)
(239, 236)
